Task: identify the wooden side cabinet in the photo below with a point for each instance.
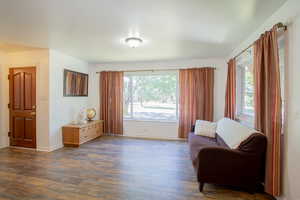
(75, 135)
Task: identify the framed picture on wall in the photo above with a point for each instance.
(75, 84)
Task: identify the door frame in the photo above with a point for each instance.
(10, 105)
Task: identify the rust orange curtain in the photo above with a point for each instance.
(230, 99)
(196, 97)
(268, 104)
(111, 101)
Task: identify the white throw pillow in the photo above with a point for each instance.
(233, 133)
(205, 128)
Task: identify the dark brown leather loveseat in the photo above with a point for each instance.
(215, 162)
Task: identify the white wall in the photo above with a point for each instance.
(93, 101)
(38, 58)
(3, 138)
(63, 109)
(163, 130)
(53, 110)
(291, 179)
(288, 14)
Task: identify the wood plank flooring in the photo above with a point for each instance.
(108, 168)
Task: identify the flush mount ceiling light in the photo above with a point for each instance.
(133, 42)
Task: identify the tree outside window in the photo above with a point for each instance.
(151, 96)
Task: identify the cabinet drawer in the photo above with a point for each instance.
(76, 135)
(84, 138)
(83, 130)
(88, 134)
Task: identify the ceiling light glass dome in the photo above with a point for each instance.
(133, 42)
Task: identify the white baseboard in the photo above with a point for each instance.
(49, 149)
(55, 147)
(23, 148)
(281, 198)
(4, 141)
(44, 149)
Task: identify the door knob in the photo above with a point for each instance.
(32, 113)
(33, 107)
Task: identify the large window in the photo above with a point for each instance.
(151, 95)
(245, 88)
(245, 83)
(282, 59)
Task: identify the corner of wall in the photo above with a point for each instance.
(40, 59)
(287, 14)
(93, 98)
(3, 74)
(50, 148)
(62, 110)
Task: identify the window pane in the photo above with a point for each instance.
(282, 50)
(127, 98)
(245, 88)
(154, 96)
(248, 104)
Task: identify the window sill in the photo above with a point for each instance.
(152, 121)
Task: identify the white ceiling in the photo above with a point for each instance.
(93, 29)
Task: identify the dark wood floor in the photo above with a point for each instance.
(107, 168)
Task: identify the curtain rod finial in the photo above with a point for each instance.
(281, 25)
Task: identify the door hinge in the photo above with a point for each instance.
(9, 134)
(8, 77)
(8, 105)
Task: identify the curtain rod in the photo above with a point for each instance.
(279, 26)
(153, 70)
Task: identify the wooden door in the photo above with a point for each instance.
(22, 107)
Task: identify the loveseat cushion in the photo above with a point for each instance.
(205, 128)
(197, 142)
(233, 133)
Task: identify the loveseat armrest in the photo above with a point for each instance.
(219, 165)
